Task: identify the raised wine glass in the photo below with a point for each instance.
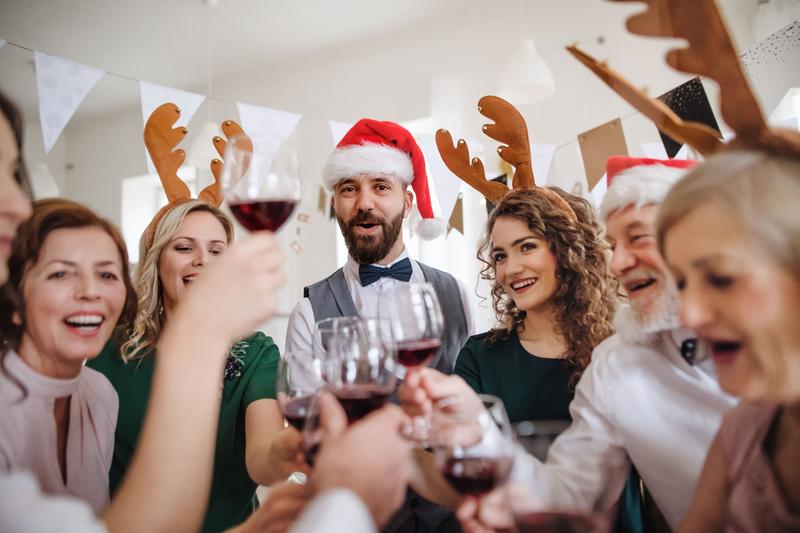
(262, 190)
(416, 320)
(299, 379)
(361, 369)
(474, 449)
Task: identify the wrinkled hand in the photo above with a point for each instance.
(278, 512)
(369, 457)
(424, 388)
(237, 292)
(286, 452)
(487, 514)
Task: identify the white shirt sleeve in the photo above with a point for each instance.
(300, 330)
(333, 511)
(587, 465)
(24, 509)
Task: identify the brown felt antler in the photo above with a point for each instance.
(699, 136)
(212, 194)
(160, 138)
(509, 127)
(710, 53)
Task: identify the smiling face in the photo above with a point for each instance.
(638, 266)
(524, 265)
(742, 304)
(73, 297)
(370, 212)
(199, 239)
(14, 205)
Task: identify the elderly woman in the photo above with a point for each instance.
(185, 239)
(730, 234)
(68, 289)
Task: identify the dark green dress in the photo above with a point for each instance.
(251, 378)
(533, 388)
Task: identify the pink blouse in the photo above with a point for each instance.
(756, 501)
(28, 429)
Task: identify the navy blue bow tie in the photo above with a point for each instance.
(688, 350)
(369, 274)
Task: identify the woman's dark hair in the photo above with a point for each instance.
(49, 215)
(14, 118)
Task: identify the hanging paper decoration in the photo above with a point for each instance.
(338, 129)
(456, 221)
(154, 95)
(62, 87)
(772, 65)
(447, 186)
(690, 102)
(597, 145)
(269, 128)
(541, 158)
(323, 200)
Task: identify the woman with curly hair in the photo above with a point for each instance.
(554, 299)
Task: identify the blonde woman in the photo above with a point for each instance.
(730, 234)
(186, 238)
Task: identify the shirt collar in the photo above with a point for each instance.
(36, 383)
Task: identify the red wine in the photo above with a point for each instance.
(295, 411)
(263, 214)
(561, 522)
(360, 400)
(476, 475)
(414, 353)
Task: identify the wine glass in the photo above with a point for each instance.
(530, 514)
(312, 431)
(262, 191)
(415, 317)
(362, 361)
(473, 449)
(299, 379)
(324, 331)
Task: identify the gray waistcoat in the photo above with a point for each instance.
(331, 298)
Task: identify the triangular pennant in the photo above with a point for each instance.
(541, 158)
(654, 150)
(154, 95)
(597, 145)
(323, 200)
(456, 220)
(598, 191)
(446, 184)
(338, 129)
(690, 102)
(62, 87)
(772, 65)
(268, 128)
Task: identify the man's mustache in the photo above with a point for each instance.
(365, 217)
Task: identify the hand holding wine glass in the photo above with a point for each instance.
(261, 191)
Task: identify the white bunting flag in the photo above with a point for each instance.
(154, 95)
(541, 159)
(268, 128)
(654, 150)
(62, 87)
(338, 129)
(772, 65)
(445, 183)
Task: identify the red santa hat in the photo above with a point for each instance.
(381, 148)
(639, 181)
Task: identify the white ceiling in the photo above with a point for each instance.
(189, 45)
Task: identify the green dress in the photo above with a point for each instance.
(533, 388)
(250, 375)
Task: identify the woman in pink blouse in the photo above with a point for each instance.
(68, 288)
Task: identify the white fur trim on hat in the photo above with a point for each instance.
(430, 228)
(367, 158)
(640, 185)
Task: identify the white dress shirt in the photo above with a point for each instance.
(637, 402)
(334, 511)
(300, 331)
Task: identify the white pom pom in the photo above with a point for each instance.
(430, 228)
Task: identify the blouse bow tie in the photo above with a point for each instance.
(369, 274)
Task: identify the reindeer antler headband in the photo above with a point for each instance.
(710, 53)
(160, 138)
(509, 128)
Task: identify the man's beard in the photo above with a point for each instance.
(369, 249)
(659, 311)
